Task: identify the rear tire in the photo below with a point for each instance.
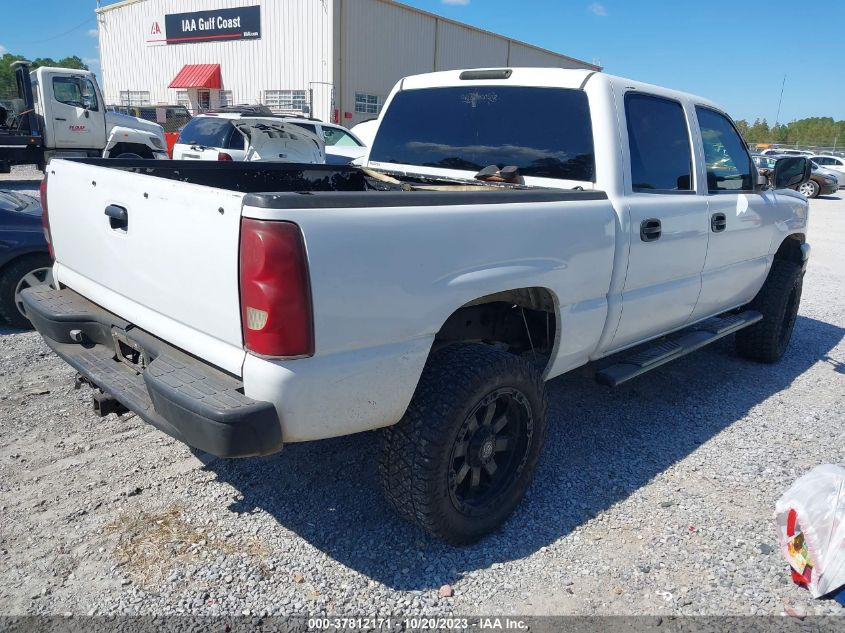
(809, 189)
(28, 271)
(462, 457)
(778, 301)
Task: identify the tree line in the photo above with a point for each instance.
(8, 89)
(812, 131)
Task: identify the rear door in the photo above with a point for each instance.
(74, 112)
(171, 268)
(667, 220)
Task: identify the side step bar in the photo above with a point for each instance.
(652, 355)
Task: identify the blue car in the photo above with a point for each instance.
(24, 256)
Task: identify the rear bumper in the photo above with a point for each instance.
(193, 401)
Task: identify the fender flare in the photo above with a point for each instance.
(120, 135)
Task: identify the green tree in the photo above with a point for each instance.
(8, 89)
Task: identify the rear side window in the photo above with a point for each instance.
(658, 138)
(728, 162)
(336, 136)
(546, 132)
(207, 131)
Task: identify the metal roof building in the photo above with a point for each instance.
(334, 59)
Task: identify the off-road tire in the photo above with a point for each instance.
(778, 301)
(417, 452)
(10, 276)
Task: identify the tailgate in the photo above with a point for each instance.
(171, 270)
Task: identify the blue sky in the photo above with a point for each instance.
(735, 53)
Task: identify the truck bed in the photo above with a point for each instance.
(378, 255)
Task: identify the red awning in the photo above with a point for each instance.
(198, 76)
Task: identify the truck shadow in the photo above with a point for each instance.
(602, 445)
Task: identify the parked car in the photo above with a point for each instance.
(780, 151)
(832, 163)
(169, 117)
(25, 259)
(215, 131)
(365, 131)
(821, 181)
(415, 297)
(243, 137)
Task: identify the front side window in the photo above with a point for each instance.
(76, 91)
(545, 132)
(661, 159)
(336, 136)
(367, 103)
(727, 160)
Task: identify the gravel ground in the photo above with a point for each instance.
(655, 498)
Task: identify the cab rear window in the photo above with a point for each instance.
(207, 131)
(546, 132)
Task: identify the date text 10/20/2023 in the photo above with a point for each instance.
(417, 624)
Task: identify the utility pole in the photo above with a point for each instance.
(777, 117)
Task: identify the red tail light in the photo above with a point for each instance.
(45, 218)
(223, 156)
(276, 314)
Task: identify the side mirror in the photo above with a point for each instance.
(791, 171)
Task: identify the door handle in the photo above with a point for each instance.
(118, 217)
(58, 118)
(650, 230)
(718, 222)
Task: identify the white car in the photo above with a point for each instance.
(214, 136)
(834, 164)
(488, 259)
(366, 131)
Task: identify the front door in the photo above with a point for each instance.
(742, 218)
(667, 221)
(204, 100)
(76, 116)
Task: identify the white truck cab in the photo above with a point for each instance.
(74, 120)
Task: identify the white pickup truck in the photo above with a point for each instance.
(242, 306)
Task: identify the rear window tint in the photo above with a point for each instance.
(546, 132)
(207, 131)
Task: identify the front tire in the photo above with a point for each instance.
(809, 189)
(778, 301)
(462, 457)
(26, 272)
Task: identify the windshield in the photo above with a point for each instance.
(546, 132)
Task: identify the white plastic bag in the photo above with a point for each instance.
(810, 519)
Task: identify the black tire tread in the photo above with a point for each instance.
(761, 341)
(410, 447)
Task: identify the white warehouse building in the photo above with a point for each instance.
(335, 59)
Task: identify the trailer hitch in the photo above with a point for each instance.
(105, 404)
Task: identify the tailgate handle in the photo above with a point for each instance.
(118, 217)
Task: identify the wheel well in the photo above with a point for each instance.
(14, 260)
(135, 148)
(790, 249)
(522, 321)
